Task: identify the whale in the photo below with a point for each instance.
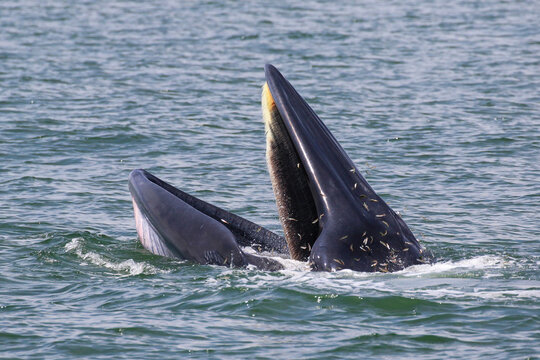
(331, 217)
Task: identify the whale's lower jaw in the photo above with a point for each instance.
(175, 224)
(148, 236)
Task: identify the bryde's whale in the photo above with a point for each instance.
(331, 216)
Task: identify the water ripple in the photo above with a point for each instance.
(436, 103)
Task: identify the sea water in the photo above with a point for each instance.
(437, 103)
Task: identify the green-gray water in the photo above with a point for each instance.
(437, 102)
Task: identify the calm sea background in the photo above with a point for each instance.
(438, 104)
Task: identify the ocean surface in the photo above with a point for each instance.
(438, 104)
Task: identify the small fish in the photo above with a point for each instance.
(339, 261)
(385, 223)
(343, 237)
(353, 170)
(384, 233)
(385, 245)
(224, 221)
(292, 219)
(365, 205)
(374, 200)
(380, 215)
(351, 247)
(315, 221)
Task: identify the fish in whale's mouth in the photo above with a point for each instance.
(296, 207)
(329, 213)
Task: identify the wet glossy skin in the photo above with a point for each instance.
(330, 214)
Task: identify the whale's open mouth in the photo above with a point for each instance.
(330, 214)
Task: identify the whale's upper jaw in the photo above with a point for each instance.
(355, 228)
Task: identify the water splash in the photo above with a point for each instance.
(457, 279)
(129, 266)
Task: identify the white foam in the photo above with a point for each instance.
(483, 262)
(353, 282)
(288, 264)
(486, 294)
(414, 281)
(128, 266)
